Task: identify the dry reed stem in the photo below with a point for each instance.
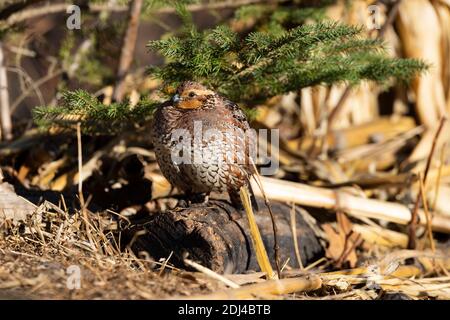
(275, 287)
(439, 175)
(427, 213)
(358, 275)
(80, 189)
(276, 248)
(397, 282)
(210, 273)
(414, 215)
(315, 264)
(164, 264)
(305, 195)
(381, 236)
(294, 236)
(255, 235)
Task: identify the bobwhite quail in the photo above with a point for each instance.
(203, 143)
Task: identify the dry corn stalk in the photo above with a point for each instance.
(255, 235)
(270, 287)
(423, 41)
(356, 206)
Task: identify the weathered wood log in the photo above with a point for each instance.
(217, 236)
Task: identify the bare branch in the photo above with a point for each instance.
(9, 7)
(5, 114)
(25, 14)
(128, 46)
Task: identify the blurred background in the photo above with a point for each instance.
(48, 48)
(359, 89)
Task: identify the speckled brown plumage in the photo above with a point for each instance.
(219, 162)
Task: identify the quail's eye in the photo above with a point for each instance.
(191, 94)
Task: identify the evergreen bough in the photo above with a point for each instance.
(280, 55)
(95, 117)
(263, 64)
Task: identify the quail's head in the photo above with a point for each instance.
(191, 95)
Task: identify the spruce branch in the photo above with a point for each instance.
(255, 67)
(277, 55)
(95, 118)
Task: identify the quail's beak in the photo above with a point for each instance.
(176, 98)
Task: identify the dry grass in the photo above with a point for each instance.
(35, 262)
(34, 265)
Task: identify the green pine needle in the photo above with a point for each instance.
(278, 54)
(264, 64)
(95, 117)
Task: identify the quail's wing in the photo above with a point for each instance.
(238, 114)
(249, 142)
(159, 120)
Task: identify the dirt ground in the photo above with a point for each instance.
(28, 271)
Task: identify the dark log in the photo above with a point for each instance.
(217, 236)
